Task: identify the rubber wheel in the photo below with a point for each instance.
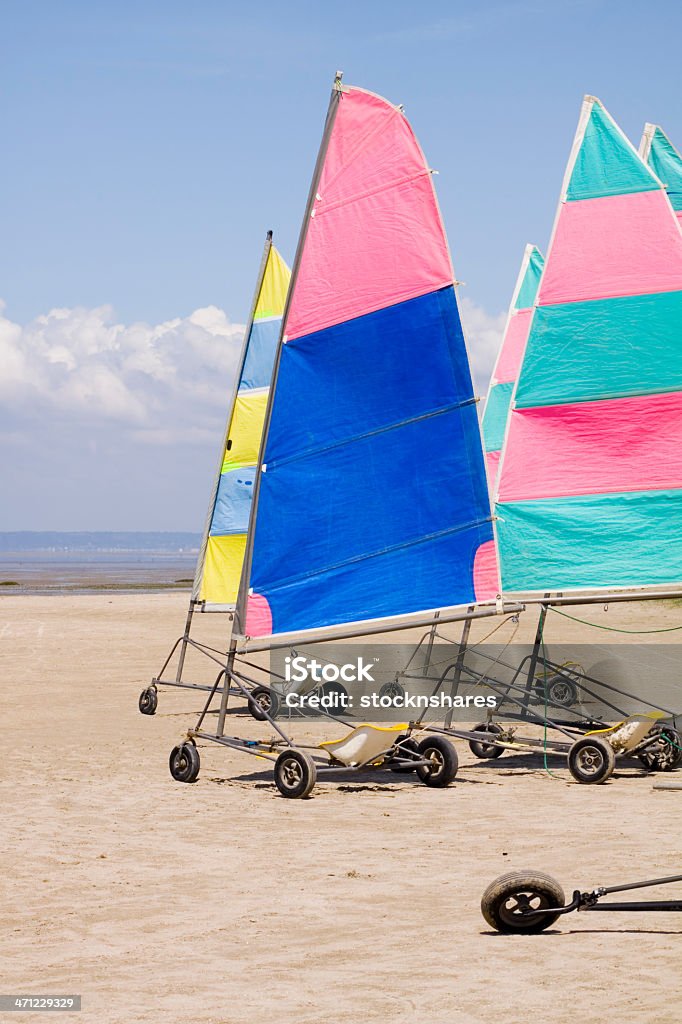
(591, 760)
(508, 902)
(263, 702)
(295, 774)
(184, 763)
(149, 701)
(392, 690)
(666, 755)
(562, 692)
(486, 750)
(400, 752)
(443, 757)
(328, 690)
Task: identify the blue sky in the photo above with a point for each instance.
(150, 145)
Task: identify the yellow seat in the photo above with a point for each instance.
(366, 743)
(627, 734)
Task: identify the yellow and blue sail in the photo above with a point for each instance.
(372, 500)
(220, 569)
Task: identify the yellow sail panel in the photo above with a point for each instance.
(274, 289)
(245, 430)
(217, 579)
(222, 569)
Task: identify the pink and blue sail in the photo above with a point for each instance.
(509, 358)
(666, 163)
(590, 486)
(372, 499)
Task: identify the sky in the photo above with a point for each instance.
(148, 148)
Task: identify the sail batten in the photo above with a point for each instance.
(371, 498)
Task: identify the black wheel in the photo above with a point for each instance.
(295, 774)
(443, 757)
(184, 762)
(591, 760)
(486, 750)
(392, 690)
(508, 904)
(263, 702)
(340, 693)
(149, 701)
(561, 691)
(666, 753)
(403, 749)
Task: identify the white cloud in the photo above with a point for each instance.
(484, 336)
(159, 382)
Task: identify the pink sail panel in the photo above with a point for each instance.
(613, 246)
(611, 445)
(511, 353)
(486, 572)
(376, 205)
(492, 462)
(258, 616)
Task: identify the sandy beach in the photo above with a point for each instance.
(223, 902)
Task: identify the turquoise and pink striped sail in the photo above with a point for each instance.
(666, 163)
(372, 500)
(590, 483)
(509, 358)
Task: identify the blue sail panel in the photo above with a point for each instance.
(374, 500)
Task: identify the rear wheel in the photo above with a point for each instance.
(403, 751)
(486, 750)
(591, 760)
(443, 762)
(295, 774)
(184, 762)
(511, 902)
(665, 753)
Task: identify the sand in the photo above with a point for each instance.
(223, 902)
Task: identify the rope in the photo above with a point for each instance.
(612, 629)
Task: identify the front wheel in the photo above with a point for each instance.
(295, 774)
(665, 754)
(184, 762)
(591, 760)
(443, 762)
(263, 702)
(511, 902)
(149, 701)
(337, 696)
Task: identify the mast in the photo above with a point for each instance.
(239, 621)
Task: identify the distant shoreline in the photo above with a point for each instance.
(17, 543)
(117, 571)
